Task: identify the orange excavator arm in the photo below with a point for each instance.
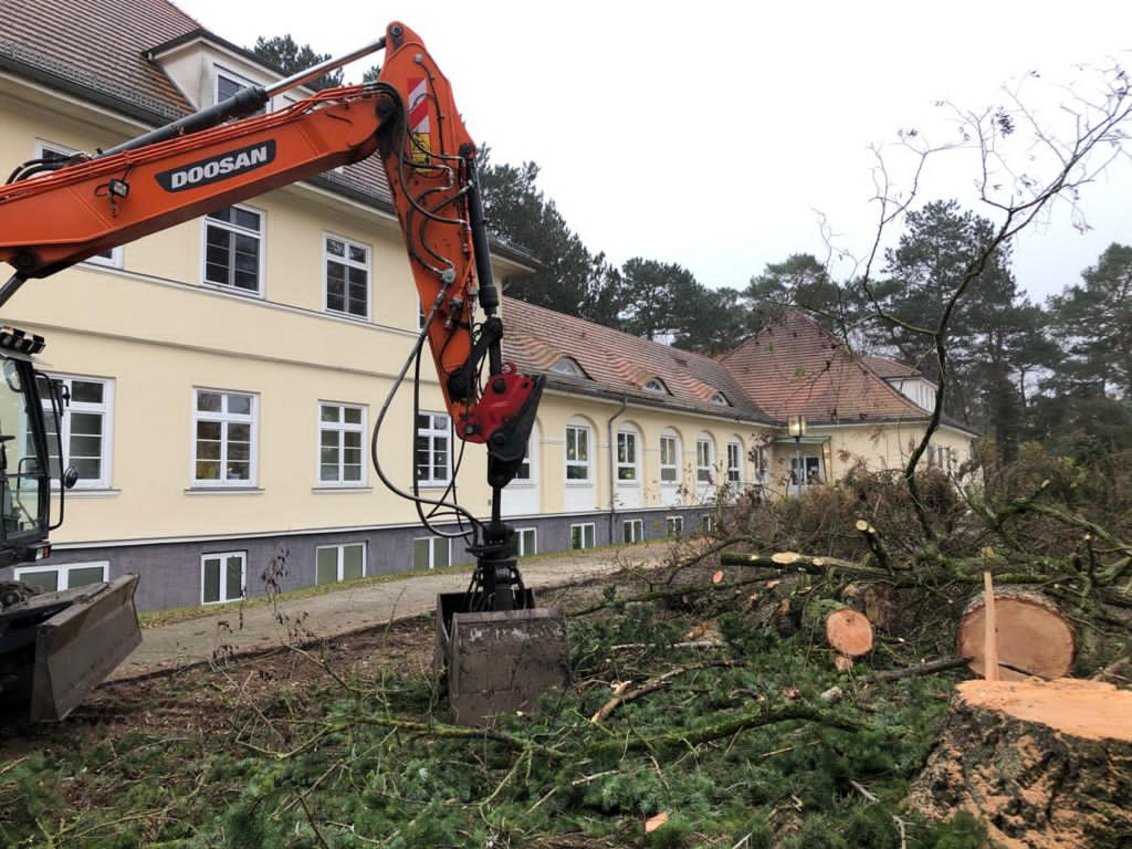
(53, 215)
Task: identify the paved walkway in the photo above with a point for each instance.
(353, 608)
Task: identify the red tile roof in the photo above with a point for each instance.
(619, 364)
(796, 367)
(97, 47)
(888, 369)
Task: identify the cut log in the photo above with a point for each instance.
(849, 632)
(1044, 763)
(1034, 638)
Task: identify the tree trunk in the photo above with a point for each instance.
(1033, 637)
(1044, 764)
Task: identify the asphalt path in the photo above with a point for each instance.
(257, 627)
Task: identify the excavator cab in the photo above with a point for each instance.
(56, 643)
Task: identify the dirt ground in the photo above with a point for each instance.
(347, 614)
(187, 676)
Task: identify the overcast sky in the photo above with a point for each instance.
(715, 134)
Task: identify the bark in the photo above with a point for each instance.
(1044, 764)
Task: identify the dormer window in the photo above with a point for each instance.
(720, 400)
(656, 385)
(569, 367)
(228, 84)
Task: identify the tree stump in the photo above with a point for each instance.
(849, 632)
(1044, 763)
(1033, 637)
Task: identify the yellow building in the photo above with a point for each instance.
(225, 375)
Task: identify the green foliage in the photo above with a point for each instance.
(799, 283)
(288, 57)
(1092, 322)
(321, 766)
(962, 831)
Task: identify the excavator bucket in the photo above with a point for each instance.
(56, 647)
(499, 661)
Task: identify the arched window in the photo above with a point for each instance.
(628, 456)
(735, 460)
(669, 458)
(705, 459)
(569, 367)
(658, 386)
(579, 452)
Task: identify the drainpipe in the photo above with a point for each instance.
(613, 465)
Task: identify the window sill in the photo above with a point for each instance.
(323, 490)
(434, 484)
(579, 483)
(232, 290)
(348, 316)
(224, 490)
(89, 493)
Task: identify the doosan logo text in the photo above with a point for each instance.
(216, 168)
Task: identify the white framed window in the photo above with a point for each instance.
(527, 469)
(233, 249)
(633, 530)
(525, 542)
(707, 523)
(334, 563)
(810, 468)
(432, 552)
(347, 266)
(224, 447)
(433, 449)
(341, 437)
(53, 578)
(577, 452)
(228, 83)
(627, 456)
(223, 576)
(582, 535)
(669, 460)
(85, 428)
(673, 526)
(111, 257)
(705, 459)
(734, 461)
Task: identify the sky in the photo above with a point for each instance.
(723, 136)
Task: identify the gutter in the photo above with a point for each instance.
(613, 465)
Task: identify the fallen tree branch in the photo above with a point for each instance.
(834, 694)
(688, 739)
(876, 545)
(627, 694)
(929, 668)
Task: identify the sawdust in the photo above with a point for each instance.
(1089, 709)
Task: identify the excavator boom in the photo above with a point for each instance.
(55, 213)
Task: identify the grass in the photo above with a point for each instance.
(157, 618)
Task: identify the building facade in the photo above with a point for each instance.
(226, 374)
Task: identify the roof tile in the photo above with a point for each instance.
(796, 367)
(619, 363)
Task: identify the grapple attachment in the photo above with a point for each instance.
(499, 661)
(56, 647)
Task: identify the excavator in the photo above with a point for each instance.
(54, 212)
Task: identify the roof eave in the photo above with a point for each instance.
(597, 390)
(73, 85)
